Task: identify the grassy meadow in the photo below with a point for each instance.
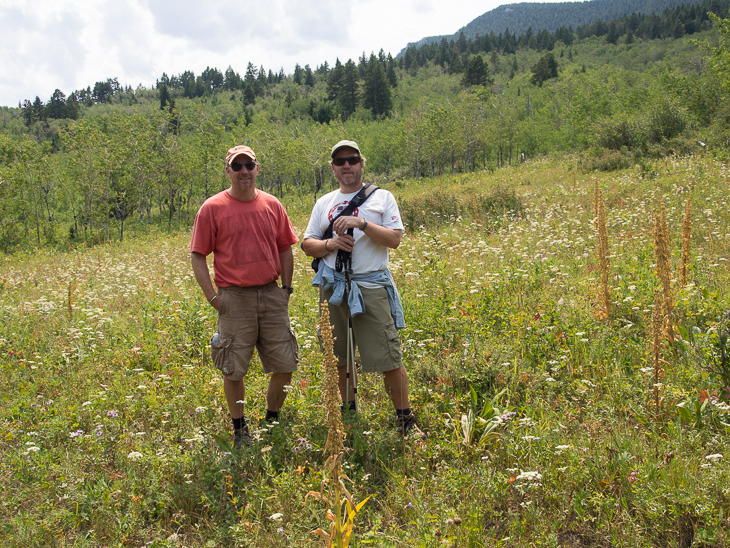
(550, 422)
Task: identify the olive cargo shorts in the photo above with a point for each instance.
(254, 317)
(374, 332)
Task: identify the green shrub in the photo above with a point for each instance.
(439, 207)
(620, 132)
(606, 160)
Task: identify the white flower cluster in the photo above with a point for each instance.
(529, 476)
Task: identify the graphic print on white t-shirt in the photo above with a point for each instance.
(339, 208)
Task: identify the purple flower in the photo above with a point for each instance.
(76, 434)
(113, 413)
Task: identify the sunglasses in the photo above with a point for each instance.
(352, 160)
(236, 166)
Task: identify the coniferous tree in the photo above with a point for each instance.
(308, 76)
(232, 80)
(350, 91)
(376, 92)
(545, 69)
(334, 82)
(390, 73)
(56, 107)
(476, 72)
(72, 107)
(164, 96)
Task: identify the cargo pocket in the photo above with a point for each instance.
(220, 351)
(391, 334)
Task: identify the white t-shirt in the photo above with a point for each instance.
(380, 209)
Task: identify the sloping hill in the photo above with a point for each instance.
(519, 17)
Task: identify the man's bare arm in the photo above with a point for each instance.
(202, 276)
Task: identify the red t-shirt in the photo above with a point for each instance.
(245, 237)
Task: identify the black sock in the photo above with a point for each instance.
(403, 412)
(271, 416)
(352, 406)
(239, 423)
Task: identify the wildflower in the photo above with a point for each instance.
(563, 447)
(276, 517)
(85, 403)
(135, 455)
(34, 449)
(112, 413)
(76, 434)
(716, 456)
(529, 476)
(632, 477)
(201, 409)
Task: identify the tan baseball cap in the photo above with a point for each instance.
(345, 143)
(237, 151)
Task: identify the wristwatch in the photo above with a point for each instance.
(288, 288)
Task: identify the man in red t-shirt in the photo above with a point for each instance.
(250, 236)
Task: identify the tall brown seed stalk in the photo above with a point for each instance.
(602, 250)
(686, 236)
(663, 267)
(338, 498)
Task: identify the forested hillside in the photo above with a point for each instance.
(100, 162)
(518, 18)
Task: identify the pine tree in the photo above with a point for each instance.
(350, 91)
(376, 93)
(334, 82)
(545, 69)
(308, 76)
(476, 73)
(392, 78)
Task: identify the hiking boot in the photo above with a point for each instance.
(408, 426)
(242, 436)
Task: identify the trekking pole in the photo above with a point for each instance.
(351, 350)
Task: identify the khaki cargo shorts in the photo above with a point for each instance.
(374, 332)
(254, 317)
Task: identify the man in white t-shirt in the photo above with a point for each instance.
(373, 299)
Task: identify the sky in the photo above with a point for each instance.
(71, 44)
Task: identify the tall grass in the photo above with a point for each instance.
(112, 407)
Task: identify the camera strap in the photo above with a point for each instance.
(343, 257)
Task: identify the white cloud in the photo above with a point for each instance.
(71, 44)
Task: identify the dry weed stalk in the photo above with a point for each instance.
(663, 267)
(686, 234)
(602, 250)
(342, 523)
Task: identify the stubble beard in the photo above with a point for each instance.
(354, 181)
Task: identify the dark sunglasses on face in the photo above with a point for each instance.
(352, 160)
(236, 166)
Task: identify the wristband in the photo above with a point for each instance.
(327, 249)
(365, 225)
(213, 298)
(288, 288)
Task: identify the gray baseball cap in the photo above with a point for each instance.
(345, 143)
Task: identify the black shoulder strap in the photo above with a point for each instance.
(357, 200)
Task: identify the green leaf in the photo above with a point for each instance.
(223, 442)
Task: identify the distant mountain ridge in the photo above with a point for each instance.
(541, 16)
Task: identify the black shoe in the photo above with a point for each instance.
(242, 436)
(408, 426)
